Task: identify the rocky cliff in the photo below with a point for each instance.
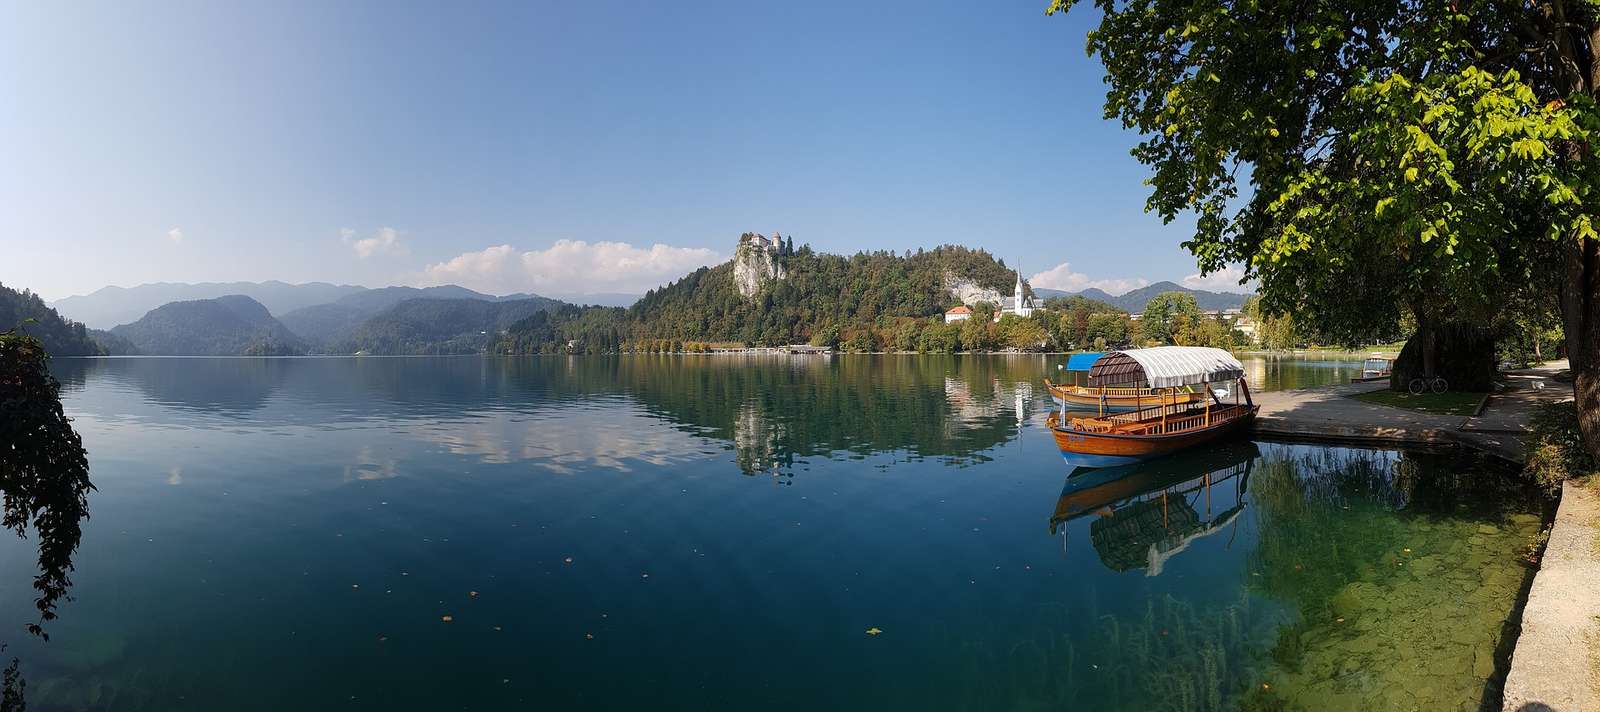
(754, 266)
(965, 291)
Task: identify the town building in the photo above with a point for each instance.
(961, 313)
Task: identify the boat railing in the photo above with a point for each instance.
(1150, 421)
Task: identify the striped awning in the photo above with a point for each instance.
(1165, 367)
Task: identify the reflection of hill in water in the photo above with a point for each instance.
(770, 409)
(777, 408)
(1149, 512)
(220, 385)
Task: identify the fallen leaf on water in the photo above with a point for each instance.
(873, 631)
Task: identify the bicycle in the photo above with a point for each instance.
(1423, 384)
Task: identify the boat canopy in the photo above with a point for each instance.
(1082, 362)
(1165, 367)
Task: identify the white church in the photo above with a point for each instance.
(1018, 303)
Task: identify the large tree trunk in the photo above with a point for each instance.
(1462, 354)
(1580, 316)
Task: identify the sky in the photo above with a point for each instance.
(559, 148)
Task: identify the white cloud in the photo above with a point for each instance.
(571, 268)
(386, 241)
(1223, 280)
(1062, 277)
(175, 236)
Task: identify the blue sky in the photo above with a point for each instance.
(562, 148)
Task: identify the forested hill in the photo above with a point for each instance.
(819, 296)
(61, 337)
(334, 323)
(232, 325)
(819, 290)
(439, 326)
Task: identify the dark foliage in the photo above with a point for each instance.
(62, 337)
(1462, 355)
(44, 471)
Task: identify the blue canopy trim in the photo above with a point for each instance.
(1082, 362)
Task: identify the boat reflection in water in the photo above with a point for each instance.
(1148, 512)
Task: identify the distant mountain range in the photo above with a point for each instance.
(308, 309)
(393, 321)
(1134, 301)
(109, 306)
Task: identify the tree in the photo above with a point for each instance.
(44, 471)
(1403, 158)
(940, 338)
(827, 335)
(1025, 335)
(1167, 312)
(1104, 329)
(977, 334)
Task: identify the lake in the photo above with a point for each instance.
(665, 532)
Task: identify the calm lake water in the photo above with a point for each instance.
(723, 532)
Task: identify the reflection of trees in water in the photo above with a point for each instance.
(216, 385)
(780, 408)
(44, 476)
(772, 410)
(1344, 508)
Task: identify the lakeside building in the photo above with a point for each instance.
(961, 313)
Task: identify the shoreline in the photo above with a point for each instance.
(1556, 662)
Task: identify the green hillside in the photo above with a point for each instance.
(233, 325)
(61, 337)
(439, 326)
(869, 295)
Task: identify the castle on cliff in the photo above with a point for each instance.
(775, 244)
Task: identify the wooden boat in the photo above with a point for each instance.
(1102, 399)
(1172, 423)
(1376, 368)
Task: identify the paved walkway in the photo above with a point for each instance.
(1556, 666)
(1329, 413)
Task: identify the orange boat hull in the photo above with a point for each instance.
(1083, 448)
